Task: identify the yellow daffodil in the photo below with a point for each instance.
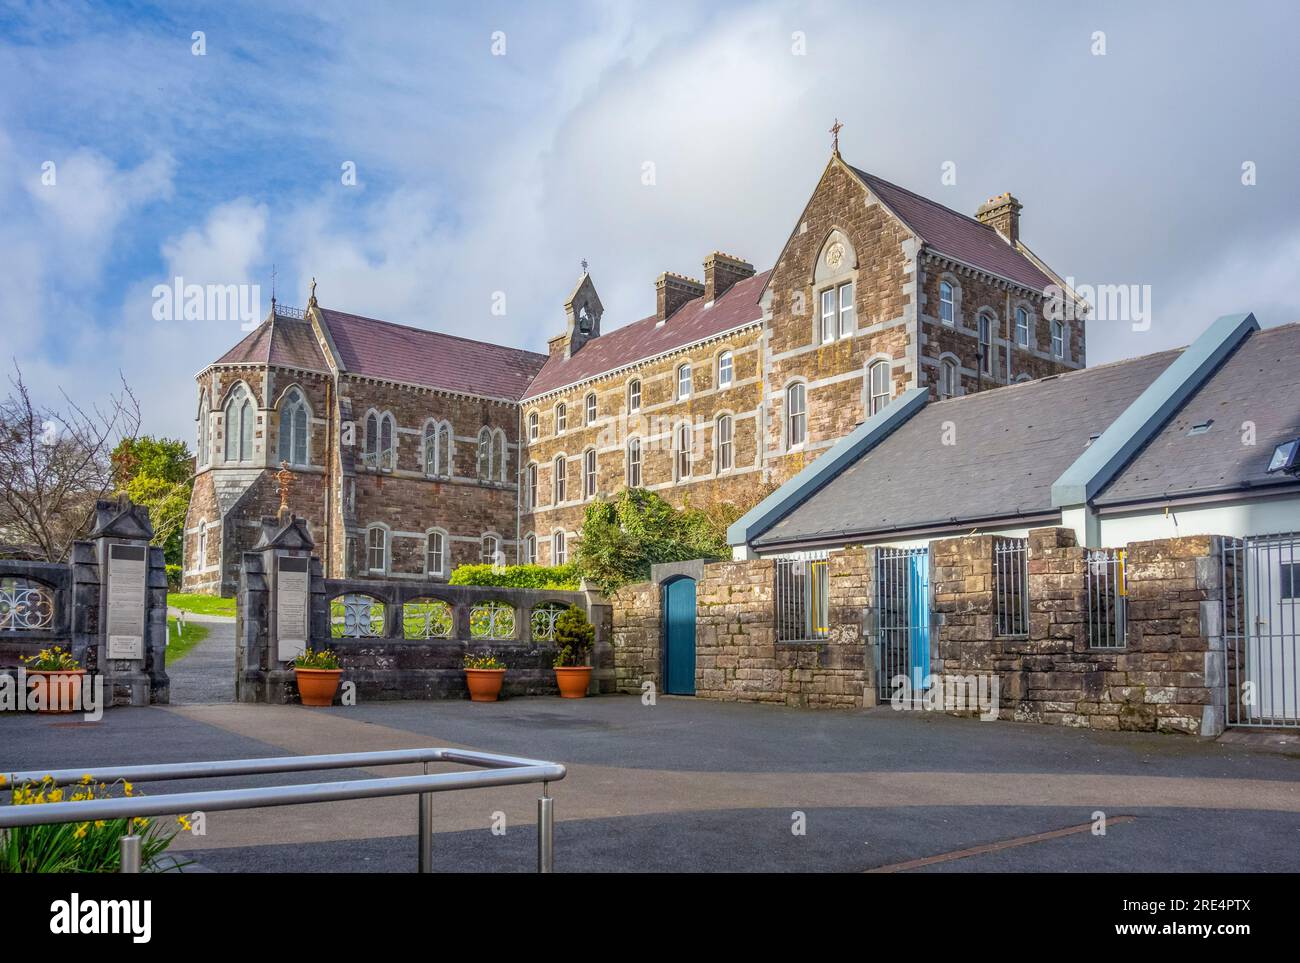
(80, 831)
(127, 787)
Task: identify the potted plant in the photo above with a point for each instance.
(484, 675)
(55, 679)
(575, 636)
(318, 676)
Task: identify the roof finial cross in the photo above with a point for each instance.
(584, 265)
(835, 136)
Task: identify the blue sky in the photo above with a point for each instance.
(480, 173)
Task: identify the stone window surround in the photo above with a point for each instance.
(281, 405)
(370, 548)
(490, 537)
(443, 534)
(226, 404)
(868, 392)
(947, 277)
(718, 418)
(786, 446)
(822, 277)
(685, 380)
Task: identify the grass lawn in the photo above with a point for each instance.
(202, 604)
(178, 646)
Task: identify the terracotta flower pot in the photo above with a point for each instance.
(317, 686)
(60, 688)
(484, 684)
(573, 680)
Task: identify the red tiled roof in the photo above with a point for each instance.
(646, 338)
(956, 235)
(395, 352)
(282, 341)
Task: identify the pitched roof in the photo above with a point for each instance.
(1012, 443)
(279, 340)
(395, 352)
(693, 321)
(1258, 383)
(960, 237)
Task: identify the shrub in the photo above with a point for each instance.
(574, 637)
(518, 576)
(173, 578)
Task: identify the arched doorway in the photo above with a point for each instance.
(679, 636)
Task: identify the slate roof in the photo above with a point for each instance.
(282, 341)
(957, 235)
(1012, 443)
(395, 352)
(1259, 383)
(646, 338)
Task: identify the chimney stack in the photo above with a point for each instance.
(1003, 214)
(672, 291)
(721, 271)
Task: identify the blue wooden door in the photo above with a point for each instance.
(679, 637)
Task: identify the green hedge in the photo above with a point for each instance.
(518, 576)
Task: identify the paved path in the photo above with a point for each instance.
(691, 785)
(207, 673)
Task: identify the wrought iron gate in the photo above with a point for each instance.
(903, 617)
(1261, 630)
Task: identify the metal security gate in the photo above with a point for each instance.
(1261, 630)
(802, 597)
(903, 618)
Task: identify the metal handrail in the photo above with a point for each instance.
(503, 771)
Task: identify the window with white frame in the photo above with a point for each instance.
(722, 442)
(561, 418)
(294, 421)
(986, 344)
(489, 546)
(1022, 327)
(947, 305)
(530, 549)
(828, 315)
(1058, 339)
(685, 438)
(683, 381)
(634, 395)
(589, 473)
(591, 407)
(725, 363)
(239, 416)
(561, 481)
(634, 463)
(435, 553)
(530, 486)
(533, 429)
(377, 549)
(559, 551)
(881, 390)
(437, 449)
(796, 415)
(848, 315)
(948, 379)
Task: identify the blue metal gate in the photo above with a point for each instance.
(903, 610)
(679, 636)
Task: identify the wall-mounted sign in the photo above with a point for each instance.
(128, 572)
(292, 611)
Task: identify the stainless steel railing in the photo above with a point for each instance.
(500, 771)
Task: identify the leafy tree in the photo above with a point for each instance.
(159, 474)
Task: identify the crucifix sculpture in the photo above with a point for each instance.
(284, 481)
(835, 135)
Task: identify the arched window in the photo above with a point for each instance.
(377, 549)
(205, 427)
(1058, 339)
(685, 439)
(294, 421)
(725, 373)
(435, 553)
(948, 379)
(437, 449)
(533, 429)
(489, 547)
(947, 305)
(559, 550)
(239, 425)
(591, 407)
(796, 415)
(986, 344)
(530, 486)
(722, 443)
(530, 549)
(202, 555)
(634, 463)
(500, 460)
(381, 432)
(1022, 327)
(634, 395)
(880, 388)
(589, 473)
(560, 479)
(561, 418)
(683, 381)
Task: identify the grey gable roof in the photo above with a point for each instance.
(1011, 444)
(1258, 383)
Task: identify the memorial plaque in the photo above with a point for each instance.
(128, 571)
(292, 606)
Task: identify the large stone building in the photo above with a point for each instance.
(412, 452)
